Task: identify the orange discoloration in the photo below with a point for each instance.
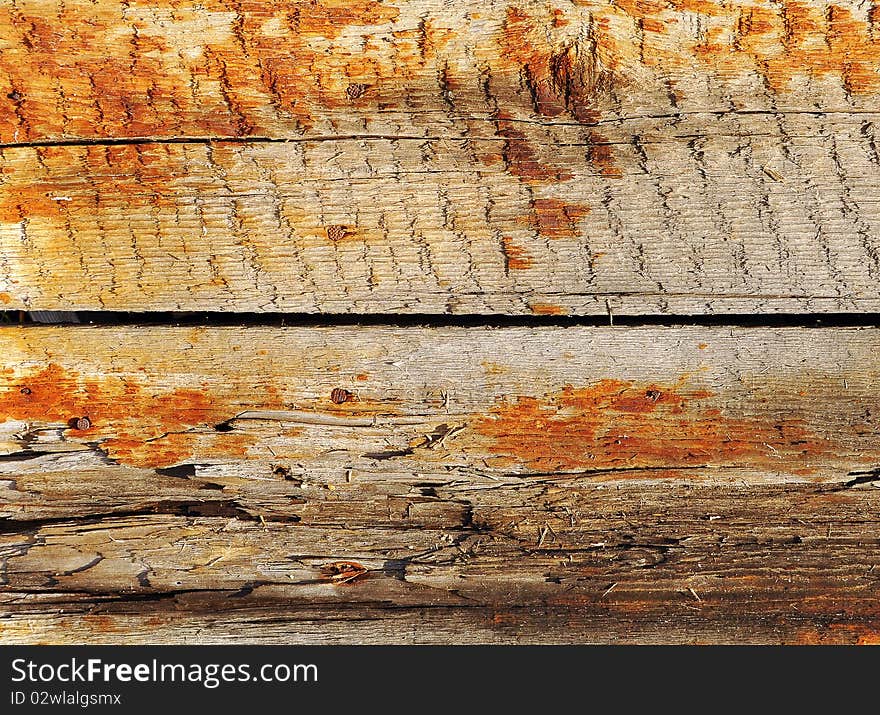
(546, 309)
(521, 159)
(601, 156)
(796, 40)
(855, 634)
(493, 368)
(132, 424)
(702, 7)
(517, 258)
(92, 181)
(649, 24)
(177, 447)
(362, 377)
(500, 619)
(171, 68)
(342, 573)
(616, 423)
(789, 40)
(525, 47)
(244, 68)
(554, 218)
(5, 298)
(560, 73)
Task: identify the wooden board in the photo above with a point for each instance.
(407, 485)
(467, 156)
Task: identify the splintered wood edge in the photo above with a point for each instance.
(524, 485)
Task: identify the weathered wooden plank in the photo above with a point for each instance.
(475, 156)
(223, 68)
(438, 485)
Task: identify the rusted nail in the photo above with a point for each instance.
(14, 95)
(340, 395)
(25, 391)
(336, 232)
(355, 91)
(343, 572)
(81, 423)
(653, 395)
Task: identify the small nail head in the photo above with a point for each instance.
(340, 395)
(354, 91)
(336, 232)
(83, 423)
(25, 391)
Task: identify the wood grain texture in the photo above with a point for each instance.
(407, 485)
(468, 156)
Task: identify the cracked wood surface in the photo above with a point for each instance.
(478, 156)
(409, 485)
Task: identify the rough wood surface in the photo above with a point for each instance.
(410, 485)
(470, 156)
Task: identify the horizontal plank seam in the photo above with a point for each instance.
(429, 320)
(256, 139)
(127, 141)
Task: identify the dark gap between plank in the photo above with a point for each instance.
(110, 318)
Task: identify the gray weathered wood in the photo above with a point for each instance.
(469, 485)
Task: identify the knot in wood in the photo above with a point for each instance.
(578, 77)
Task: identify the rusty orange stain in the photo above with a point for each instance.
(362, 377)
(521, 158)
(780, 43)
(546, 309)
(132, 176)
(524, 48)
(142, 84)
(517, 258)
(601, 155)
(5, 298)
(852, 633)
(555, 218)
(504, 619)
(792, 39)
(343, 573)
(650, 24)
(255, 65)
(132, 423)
(615, 423)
